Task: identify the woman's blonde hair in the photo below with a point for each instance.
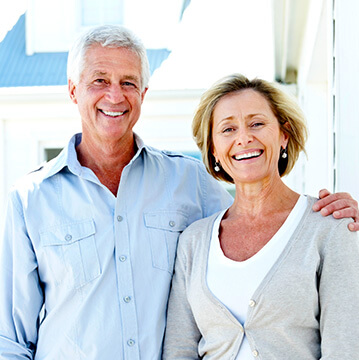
(284, 107)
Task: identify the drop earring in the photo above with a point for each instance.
(283, 153)
(216, 167)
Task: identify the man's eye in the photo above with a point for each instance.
(99, 81)
(129, 84)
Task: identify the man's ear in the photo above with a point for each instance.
(72, 91)
(143, 94)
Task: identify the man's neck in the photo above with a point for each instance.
(107, 160)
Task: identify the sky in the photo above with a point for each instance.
(10, 10)
(217, 38)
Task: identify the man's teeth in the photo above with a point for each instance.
(113, 113)
(247, 155)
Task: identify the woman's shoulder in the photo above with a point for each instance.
(325, 222)
(325, 229)
(198, 232)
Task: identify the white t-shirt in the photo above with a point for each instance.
(234, 282)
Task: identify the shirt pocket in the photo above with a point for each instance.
(71, 252)
(164, 228)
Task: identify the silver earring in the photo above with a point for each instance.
(216, 167)
(284, 153)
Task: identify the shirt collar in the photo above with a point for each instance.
(68, 157)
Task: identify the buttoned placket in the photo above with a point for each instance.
(252, 305)
(125, 277)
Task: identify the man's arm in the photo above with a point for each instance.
(21, 296)
(341, 205)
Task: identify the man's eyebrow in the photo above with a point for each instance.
(126, 77)
(98, 73)
(131, 77)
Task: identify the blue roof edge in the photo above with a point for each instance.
(43, 69)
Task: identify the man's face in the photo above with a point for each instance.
(109, 95)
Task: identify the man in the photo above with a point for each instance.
(90, 238)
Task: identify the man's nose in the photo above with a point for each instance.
(115, 93)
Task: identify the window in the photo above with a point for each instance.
(51, 153)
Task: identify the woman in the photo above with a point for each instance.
(268, 278)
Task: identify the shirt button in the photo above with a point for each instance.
(68, 237)
(172, 223)
(119, 218)
(123, 258)
(252, 303)
(131, 342)
(255, 353)
(127, 299)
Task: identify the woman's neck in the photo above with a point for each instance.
(262, 199)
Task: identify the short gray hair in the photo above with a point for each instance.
(112, 36)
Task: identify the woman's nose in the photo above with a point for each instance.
(244, 136)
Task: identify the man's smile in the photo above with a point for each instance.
(113, 113)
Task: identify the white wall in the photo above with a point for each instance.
(166, 119)
(314, 96)
(51, 26)
(346, 87)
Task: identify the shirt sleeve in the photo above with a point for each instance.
(182, 334)
(339, 294)
(215, 197)
(21, 295)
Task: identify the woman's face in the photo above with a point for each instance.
(246, 137)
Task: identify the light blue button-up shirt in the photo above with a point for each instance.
(85, 274)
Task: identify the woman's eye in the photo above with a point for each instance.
(257, 124)
(227, 130)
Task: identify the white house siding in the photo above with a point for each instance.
(346, 88)
(328, 91)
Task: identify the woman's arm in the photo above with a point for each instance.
(339, 295)
(182, 334)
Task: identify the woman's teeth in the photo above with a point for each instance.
(248, 155)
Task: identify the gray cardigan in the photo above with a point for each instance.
(307, 307)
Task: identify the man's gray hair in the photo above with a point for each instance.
(112, 36)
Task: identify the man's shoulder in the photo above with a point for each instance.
(175, 156)
(34, 177)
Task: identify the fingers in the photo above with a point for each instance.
(332, 202)
(354, 226)
(349, 212)
(341, 205)
(323, 193)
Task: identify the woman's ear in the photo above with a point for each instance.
(285, 135)
(214, 153)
